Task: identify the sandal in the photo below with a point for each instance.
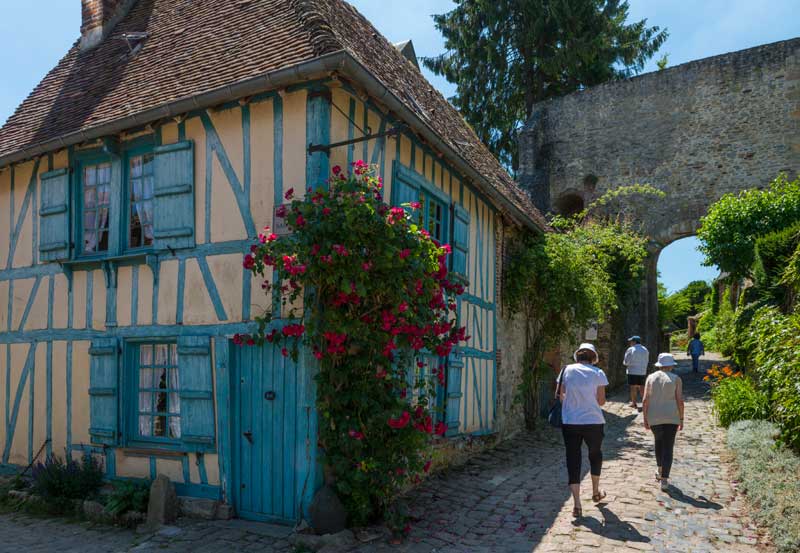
(577, 512)
(598, 497)
(658, 477)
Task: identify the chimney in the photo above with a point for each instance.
(98, 18)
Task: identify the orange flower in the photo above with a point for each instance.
(706, 379)
(727, 370)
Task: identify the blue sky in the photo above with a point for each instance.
(34, 35)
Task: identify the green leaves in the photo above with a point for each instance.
(377, 313)
(729, 231)
(507, 55)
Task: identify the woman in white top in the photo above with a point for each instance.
(583, 391)
(662, 408)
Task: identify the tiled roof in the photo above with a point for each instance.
(196, 46)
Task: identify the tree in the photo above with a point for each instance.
(729, 231)
(507, 55)
(674, 309)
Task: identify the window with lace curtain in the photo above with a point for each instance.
(140, 201)
(96, 194)
(157, 414)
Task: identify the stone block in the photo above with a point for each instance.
(328, 515)
(163, 506)
(224, 511)
(93, 510)
(194, 507)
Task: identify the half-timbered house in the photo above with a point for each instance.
(133, 179)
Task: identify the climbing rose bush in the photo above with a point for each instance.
(367, 294)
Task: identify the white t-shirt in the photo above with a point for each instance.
(580, 406)
(636, 359)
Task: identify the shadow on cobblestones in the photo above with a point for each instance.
(513, 499)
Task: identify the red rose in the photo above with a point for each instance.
(441, 428)
(289, 194)
(336, 169)
(401, 421)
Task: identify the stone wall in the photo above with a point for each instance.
(696, 131)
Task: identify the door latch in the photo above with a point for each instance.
(249, 436)
(269, 396)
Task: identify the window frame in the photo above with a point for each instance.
(128, 153)
(130, 398)
(80, 165)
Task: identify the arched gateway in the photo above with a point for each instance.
(696, 131)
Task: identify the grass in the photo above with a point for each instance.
(770, 478)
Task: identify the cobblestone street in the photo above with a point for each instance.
(512, 499)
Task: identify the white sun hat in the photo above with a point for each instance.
(589, 347)
(666, 360)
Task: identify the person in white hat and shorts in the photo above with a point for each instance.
(583, 392)
(636, 360)
(662, 409)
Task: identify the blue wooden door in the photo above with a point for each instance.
(267, 444)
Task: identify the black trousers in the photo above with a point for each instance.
(574, 436)
(665, 444)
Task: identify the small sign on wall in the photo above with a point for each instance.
(279, 224)
(591, 332)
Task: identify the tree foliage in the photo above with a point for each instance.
(562, 281)
(674, 309)
(729, 231)
(507, 55)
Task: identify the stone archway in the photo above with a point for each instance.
(696, 131)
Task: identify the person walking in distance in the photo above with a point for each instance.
(636, 360)
(696, 349)
(582, 386)
(662, 410)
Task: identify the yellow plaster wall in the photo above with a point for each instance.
(124, 305)
(294, 141)
(5, 214)
(227, 273)
(197, 305)
(145, 308)
(79, 299)
(171, 468)
(169, 133)
(19, 444)
(3, 305)
(59, 409)
(37, 317)
(60, 301)
(80, 392)
(196, 133)
(40, 397)
(22, 291)
(3, 349)
(99, 305)
(262, 147)
(132, 466)
(22, 180)
(167, 292)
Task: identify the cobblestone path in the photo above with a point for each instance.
(512, 499)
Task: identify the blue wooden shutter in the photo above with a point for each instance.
(197, 393)
(54, 239)
(104, 391)
(460, 243)
(455, 366)
(404, 190)
(173, 212)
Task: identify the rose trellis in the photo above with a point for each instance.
(365, 289)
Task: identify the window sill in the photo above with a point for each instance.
(136, 451)
(134, 257)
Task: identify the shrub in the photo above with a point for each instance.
(775, 359)
(68, 479)
(736, 397)
(769, 477)
(729, 231)
(128, 495)
(378, 314)
(773, 252)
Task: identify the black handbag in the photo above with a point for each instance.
(554, 416)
